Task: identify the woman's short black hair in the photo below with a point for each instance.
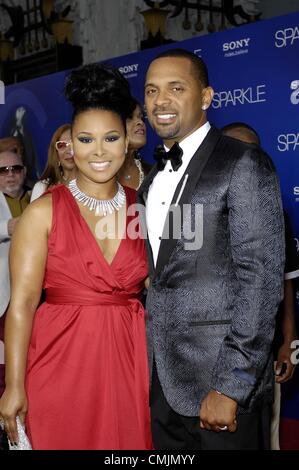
(135, 103)
(99, 86)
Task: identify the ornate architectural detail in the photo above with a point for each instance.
(105, 31)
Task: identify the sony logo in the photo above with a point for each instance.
(129, 68)
(231, 46)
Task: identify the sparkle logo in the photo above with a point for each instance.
(239, 96)
(286, 37)
(2, 93)
(288, 142)
(295, 92)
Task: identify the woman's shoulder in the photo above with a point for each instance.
(39, 212)
(41, 203)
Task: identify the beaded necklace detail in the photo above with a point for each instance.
(141, 173)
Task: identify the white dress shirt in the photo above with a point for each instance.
(163, 187)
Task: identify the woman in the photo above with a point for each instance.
(60, 167)
(85, 383)
(134, 169)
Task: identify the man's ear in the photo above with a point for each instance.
(207, 97)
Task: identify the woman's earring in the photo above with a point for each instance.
(204, 107)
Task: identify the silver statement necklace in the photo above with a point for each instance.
(100, 206)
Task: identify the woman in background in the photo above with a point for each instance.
(135, 169)
(60, 167)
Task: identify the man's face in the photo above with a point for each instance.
(12, 181)
(174, 98)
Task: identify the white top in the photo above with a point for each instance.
(163, 187)
(5, 216)
(38, 189)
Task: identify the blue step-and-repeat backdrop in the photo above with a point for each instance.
(254, 71)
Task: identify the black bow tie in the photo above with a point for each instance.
(174, 155)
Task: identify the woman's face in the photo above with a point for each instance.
(99, 144)
(136, 129)
(65, 152)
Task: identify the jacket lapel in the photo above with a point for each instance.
(193, 171)
(142, 200)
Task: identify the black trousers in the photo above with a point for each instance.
(172, 431)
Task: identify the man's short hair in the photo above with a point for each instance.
(11, 153)
(12, 144)
(199, 65)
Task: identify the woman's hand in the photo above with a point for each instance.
(12, 403)
(284, 373)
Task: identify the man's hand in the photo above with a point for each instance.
(284, 357)
(218, 413)
(11, 224)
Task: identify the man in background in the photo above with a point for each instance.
(14, 198)
(286, 324)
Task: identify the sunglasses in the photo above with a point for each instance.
(62, 144)
(4, 170)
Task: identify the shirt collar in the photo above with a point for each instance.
(191, 143)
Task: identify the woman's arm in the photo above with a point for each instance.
(28, 256)
(288, 326)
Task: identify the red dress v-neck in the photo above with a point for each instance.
(87, 374)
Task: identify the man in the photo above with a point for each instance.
(285, 332)
(212, 300)
(14, 198)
